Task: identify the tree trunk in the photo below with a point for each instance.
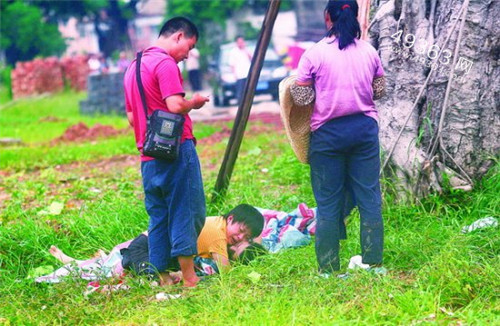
(111, 26)
(452, 134)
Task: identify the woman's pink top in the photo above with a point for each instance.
(342, 79)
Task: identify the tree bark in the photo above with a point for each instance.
(423, 159)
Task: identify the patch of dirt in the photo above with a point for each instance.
(68, 174)
(4, 197)
(268, 118)
(81, 132)
(108, 168)
(51, 119)
(271, 122)
(104, 168)
(216, 136)
(98, 168)
(211, 158)
(264, 117)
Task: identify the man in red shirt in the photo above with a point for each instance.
(174, 196)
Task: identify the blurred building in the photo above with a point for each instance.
(144, 29)
(81, 37)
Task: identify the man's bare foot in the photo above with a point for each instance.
(61, 256)
(166, 279)
(187, 269)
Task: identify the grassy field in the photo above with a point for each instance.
(437, 275)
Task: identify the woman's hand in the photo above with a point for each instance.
(302, 93)
(378, 86)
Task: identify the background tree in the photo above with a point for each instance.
(29, 28)
(211, 16)
(25, 34)
(109, 17)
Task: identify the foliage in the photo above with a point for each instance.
(218, 11)
(24, 34)
(260, 6)
(437, 275)
(29, 28)
(248, 31)
(6, 84)
(54, 11)
(201, 12)
(209, 17)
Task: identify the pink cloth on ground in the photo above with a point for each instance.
(303, 219)
(342, 79)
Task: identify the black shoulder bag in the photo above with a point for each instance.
(163, 129)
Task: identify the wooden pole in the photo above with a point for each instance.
(364, 17)
(245, 105)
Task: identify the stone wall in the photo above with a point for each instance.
(105, 95)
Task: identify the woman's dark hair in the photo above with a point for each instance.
(343, 15)
(251, 252)
(179, 24)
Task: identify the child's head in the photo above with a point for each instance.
(243, 222)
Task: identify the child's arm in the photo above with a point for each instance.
(221, 261)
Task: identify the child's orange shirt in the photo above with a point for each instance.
(213, 237)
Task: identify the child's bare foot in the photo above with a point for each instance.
(191, 283)
(176, 277)
(100, 254)
(59, 255)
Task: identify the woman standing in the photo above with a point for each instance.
(344, 145)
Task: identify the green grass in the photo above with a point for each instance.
(4, 94)
(437, 275)
(39, 120)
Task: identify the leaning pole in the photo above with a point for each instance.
(245, 105)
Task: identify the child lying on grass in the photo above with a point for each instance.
(219, 232)
(104, 265)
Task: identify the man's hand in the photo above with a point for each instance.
(199, 100)
(178, 104)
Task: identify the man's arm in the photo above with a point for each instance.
(130, 117)
(178, 104)
(128, 110)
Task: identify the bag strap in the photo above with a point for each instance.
(139, 84)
